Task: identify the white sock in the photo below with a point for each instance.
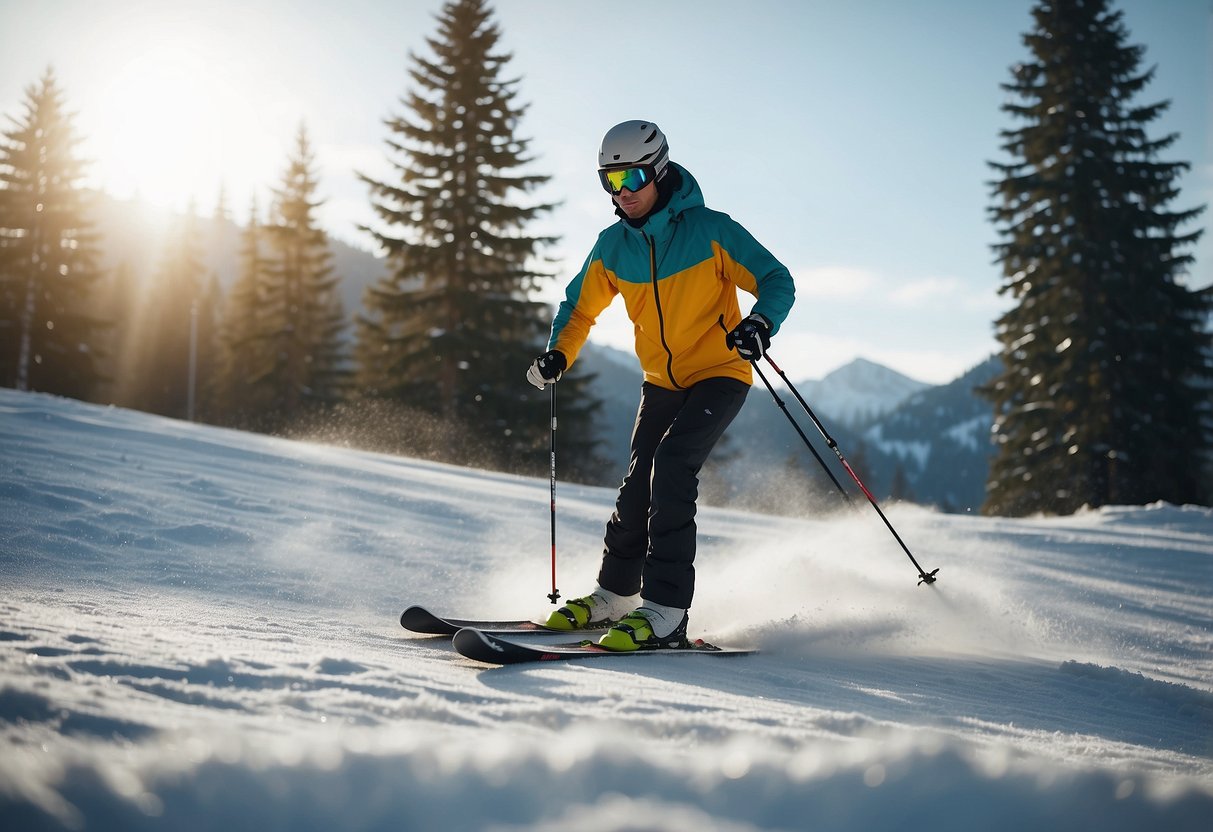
(664, 620)
(613, 605)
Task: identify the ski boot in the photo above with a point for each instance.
(649, 627)
(600, 608)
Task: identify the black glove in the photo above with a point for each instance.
(751, 337)
(547, 369)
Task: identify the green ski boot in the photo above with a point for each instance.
(598, 609)
(640, 629)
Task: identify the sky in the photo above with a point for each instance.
(213, 644)
(852, 139)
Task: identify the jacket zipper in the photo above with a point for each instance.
(669, 361)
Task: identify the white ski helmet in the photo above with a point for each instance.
(634, 144)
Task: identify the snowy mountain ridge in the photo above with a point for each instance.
(859, 391)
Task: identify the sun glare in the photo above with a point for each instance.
(163, 120)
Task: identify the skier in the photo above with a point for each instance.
(677, 265)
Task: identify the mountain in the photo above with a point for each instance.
(766, 464)
(939, 437)
(891, 428)
(858, 392)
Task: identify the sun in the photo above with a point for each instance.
(164, 128)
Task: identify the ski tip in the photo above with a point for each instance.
(420, 620)
(470, 639)
(928, 578)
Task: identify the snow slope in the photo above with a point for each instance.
(198, 630)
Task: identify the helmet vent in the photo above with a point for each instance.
(634, 143)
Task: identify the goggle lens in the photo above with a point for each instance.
(614, 181)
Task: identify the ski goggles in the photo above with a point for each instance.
(614, 181)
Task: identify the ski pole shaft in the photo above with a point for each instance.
(925, 577)
(792, 422)
(803, 438)
(554, 595)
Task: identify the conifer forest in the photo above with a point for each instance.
(1103, 393)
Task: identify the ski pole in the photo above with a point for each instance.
(795, 426)
(554, 595)
(925, 577)
(803, 438)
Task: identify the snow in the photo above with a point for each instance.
(198, 630)
(971, 432)
(919, 451)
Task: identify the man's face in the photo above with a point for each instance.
(637, 204)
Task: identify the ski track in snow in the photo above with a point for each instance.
(198, 628)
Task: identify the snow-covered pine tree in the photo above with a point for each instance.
(1100, 400)
(450, 331)
(50, 337)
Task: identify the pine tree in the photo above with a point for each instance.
(301, 318)
(167, 380)
(50, 337)
(118, 303)
(900, 490)
(222, 214)
(1104, 356)
(207, 321)
(451, 330)
(224, 232)
(243, 357)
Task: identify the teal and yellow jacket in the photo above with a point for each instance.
(678, 274)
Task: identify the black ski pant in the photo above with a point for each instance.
(649, 545)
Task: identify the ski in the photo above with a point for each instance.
(421, 620)
(491, 649)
